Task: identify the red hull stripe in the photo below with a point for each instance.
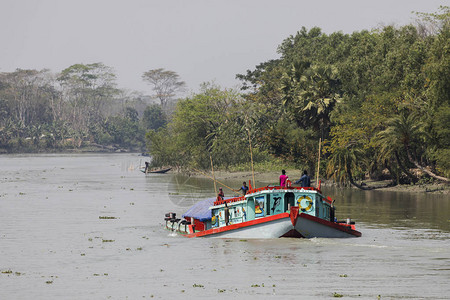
(231, 227)
(331, 224)
(238, 225)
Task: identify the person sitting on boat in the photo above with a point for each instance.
(243, 189)
(220, 195)
(283, 178)
(305, 180)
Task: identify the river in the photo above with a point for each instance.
(90, 226)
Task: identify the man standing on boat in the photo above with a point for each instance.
(283, 178)
(220, 195)
(243, 189)
(305, 180)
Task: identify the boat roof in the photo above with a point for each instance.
(272, 189)
(201, 210)
(280, 189)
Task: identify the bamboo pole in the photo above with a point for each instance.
(221, 183)
(214, 178)
(251, 157)
(318, 165)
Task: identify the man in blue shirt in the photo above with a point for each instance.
(243, 189)
(305, 180)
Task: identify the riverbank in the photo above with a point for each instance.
(29, 148)
(271, 178)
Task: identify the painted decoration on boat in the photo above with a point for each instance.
(259, 206)
(276, 206)
(305, 203)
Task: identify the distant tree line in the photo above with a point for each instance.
(78, 108)
(379, 101)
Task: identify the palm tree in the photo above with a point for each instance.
(389, 148)
(311, 94)
(343, 161)
(405, 132)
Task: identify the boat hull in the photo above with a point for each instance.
(309, 227)
(280, 225)
(160, 171)
(263, 228)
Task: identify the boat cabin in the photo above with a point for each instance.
(268, 201)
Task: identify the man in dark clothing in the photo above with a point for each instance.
(243, 189)
(305, 180)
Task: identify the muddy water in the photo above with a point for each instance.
(90, 227)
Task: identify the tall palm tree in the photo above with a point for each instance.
(311, 94)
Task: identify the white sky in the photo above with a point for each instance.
(201, 40)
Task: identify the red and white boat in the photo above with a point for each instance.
(267, 212)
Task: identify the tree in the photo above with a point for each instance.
(154, 117)
(406, 130)
(211, 122)
(164, 83)
(311, 95)
(343, 162)
(86, 91)
(390, 153)
(26, 94)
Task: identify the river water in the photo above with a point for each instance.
(91, 227)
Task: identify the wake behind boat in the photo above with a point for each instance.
(267, 212)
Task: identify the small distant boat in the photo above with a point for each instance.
(152, 171)
(267, 212)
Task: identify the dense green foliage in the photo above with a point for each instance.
(378, 99)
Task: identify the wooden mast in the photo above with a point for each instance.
(251, 156)
(318, 165)
(214, 178)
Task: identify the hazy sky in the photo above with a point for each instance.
(201, 40)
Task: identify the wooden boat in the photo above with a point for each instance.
(267, 212)
(160, 171)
